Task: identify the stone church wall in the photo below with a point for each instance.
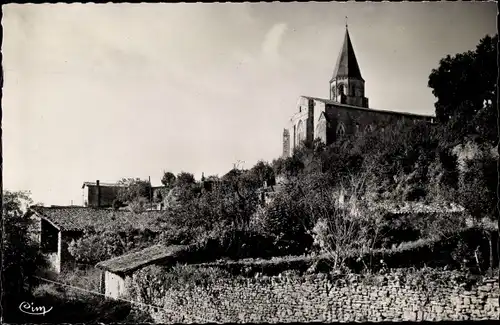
(360, 120)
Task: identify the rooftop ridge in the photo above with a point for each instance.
(333, 102)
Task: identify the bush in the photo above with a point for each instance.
(20, 254)
(76, 306)
(94, 247)
(286, 221)
(88, 278)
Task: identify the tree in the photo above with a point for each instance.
(185, 189)
(465, 88)
(134, 189)
(286, 221)
(477, 189)
(168, 179)
(344, 222)
(185, 179)
(262, 172)
(21, 256)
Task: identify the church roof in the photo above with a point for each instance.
(335, 103)
(347, 65)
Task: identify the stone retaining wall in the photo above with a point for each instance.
(322, 298)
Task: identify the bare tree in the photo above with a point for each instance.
(345, 223)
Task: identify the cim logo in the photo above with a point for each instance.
(29, 308)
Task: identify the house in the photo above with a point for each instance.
(55, 227)
(116, 271)
(97, 194)
(102, 195)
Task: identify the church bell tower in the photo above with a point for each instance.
(347, 86)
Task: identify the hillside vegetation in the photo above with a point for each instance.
(349, 198)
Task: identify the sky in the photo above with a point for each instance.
(132, 90)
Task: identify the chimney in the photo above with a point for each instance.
(98, 193)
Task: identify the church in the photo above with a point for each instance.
(345, 112)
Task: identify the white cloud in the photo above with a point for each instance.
(272, 42)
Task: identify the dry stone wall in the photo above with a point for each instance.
(321, 298)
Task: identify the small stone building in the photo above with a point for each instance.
(97, 194)
(116, 271)
(346, 111)
(102, 195)
(55, 227)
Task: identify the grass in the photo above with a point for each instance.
(434, 252)
(85, 278)
(76, 306)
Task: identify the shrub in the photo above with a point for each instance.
(88, 278)
(94, 247)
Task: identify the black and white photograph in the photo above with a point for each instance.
(267, 162)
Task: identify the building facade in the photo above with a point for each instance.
(346, 111)
(102, 195)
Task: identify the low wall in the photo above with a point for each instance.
(319, 297)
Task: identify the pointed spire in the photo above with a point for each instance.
(347, 65)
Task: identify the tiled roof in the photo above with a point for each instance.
(332, 102)
(347, 65)
(130, 262)
(78, 218)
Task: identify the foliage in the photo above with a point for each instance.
(331, 191)
(284, 220)
(405, 227)
(94, 247)
(184, 190)
(87, 278)
(21, 256)
(139, 204)
(343, 220)
(177, 235)
(134, 190)
(14, 204)
(76, 306)
(477, 190)
(116, 204)
(262, 172)
(477, 185)
(184, 179)
(168, 179)
(465, 88)
(290, 166)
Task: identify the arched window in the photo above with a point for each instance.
(301, 134)
(341, 89)
(340, 129)
(294, 136)
(321, 130)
